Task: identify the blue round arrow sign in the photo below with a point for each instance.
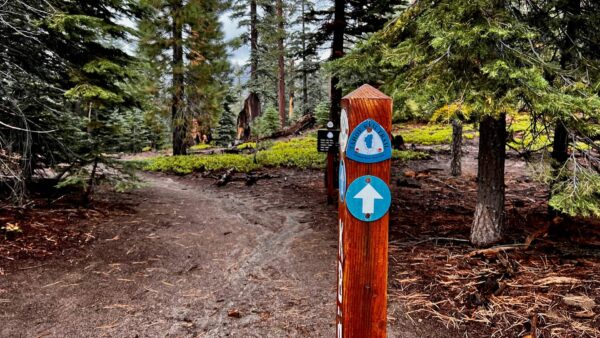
(369, 143)
(342, 180)
(368, 198)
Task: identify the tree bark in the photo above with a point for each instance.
(560, 145)
(304, 70)
(251, 109)
(249, 112)
(292, 94)
(281, 64)
(179, 122)
(253, 42)
(337, 51)
(335, 94)
(488, 222)
(457, 140)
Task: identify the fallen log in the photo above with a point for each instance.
(303, 123)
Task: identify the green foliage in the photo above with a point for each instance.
(298, 153)
(475, 53)
(204, 67)
(201, 146)
(226, 130)
(295, 153)
(524, 135)
(322, 113)
(247, 145)
(266, 124)
(409, 155)
(186, 164)
(119, 174)
(578, 194)
(65, 76)
(433, 134)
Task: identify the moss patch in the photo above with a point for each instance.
(432, 134)
(296, 153)
(201, 146)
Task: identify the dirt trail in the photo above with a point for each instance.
(190, 255)
(186, 262)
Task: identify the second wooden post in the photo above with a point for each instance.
(364, 201)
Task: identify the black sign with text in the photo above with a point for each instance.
(327, 138)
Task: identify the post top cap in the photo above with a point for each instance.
(366, 92)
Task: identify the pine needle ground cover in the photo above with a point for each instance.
(300, 153)
(534, 285)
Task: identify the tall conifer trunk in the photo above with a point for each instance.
(253, 99)
(337, 51)
(251, 108)
(304, 70)
(335, 94)
(253, 41)
(457, 140)
(179, 122)
(488, 222)
(281, 64)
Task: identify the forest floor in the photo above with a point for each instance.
(182, 257)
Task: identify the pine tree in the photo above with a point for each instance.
(476, 53)
(563, 27)
(267, 124)
(226, 129)
(190, 27)
(72, 97)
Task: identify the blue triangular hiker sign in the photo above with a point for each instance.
(369, 143)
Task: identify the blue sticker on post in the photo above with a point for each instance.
(369, 143)
(368, 198)
(342, 180)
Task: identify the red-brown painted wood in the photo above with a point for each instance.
(362, 313)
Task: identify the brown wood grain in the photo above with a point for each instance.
(365, 244)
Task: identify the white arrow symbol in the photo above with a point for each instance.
(368, 194)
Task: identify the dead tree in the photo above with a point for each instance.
(249, 112)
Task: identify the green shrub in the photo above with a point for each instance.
(201, 146)
(247, 145)
(296, 153)
(582, 198)
(186, 164)
(407, 155)
(266, 124)
(521, 134)
(322, 113)
(434, 134)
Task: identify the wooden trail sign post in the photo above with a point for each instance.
(364, 201)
